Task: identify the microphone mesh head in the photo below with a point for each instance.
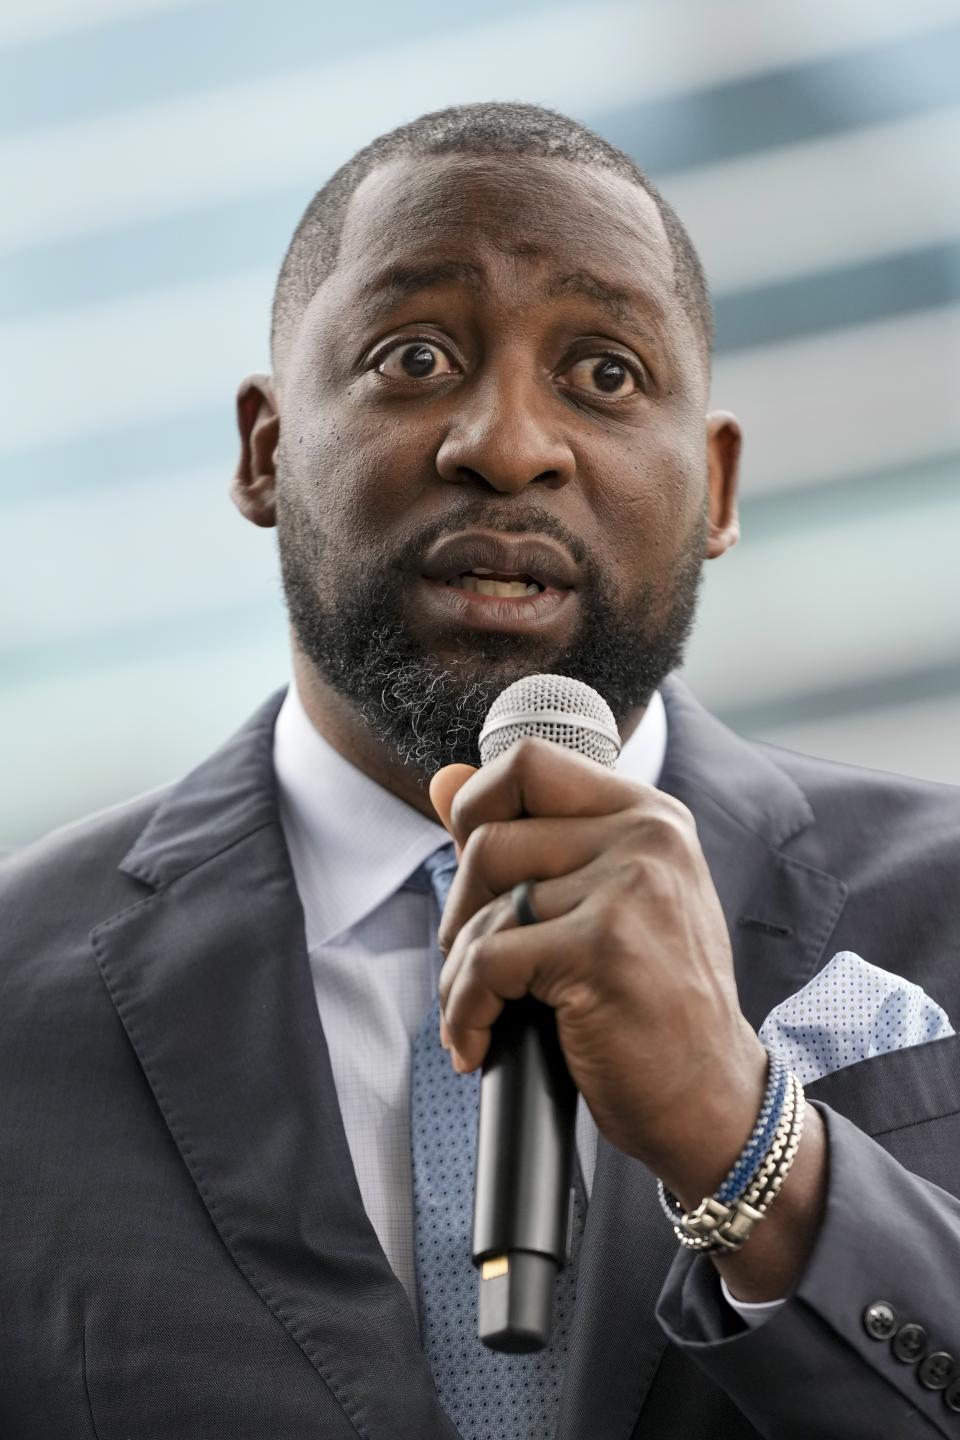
(551, 707)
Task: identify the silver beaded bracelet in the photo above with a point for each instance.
(714, 1225)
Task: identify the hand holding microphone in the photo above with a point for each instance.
(630, 953)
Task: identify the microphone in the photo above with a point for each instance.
(523, 1209)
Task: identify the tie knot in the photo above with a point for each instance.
(439, 869)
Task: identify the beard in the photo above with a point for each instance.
(429, 712)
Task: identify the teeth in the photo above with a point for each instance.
(503, 588)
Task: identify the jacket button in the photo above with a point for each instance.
(937, 1370)
(952, 1396)
(880, 1320)
(909, 1343)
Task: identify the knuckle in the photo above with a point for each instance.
(632, 867)
(620, 927)
(681, 816)
(481, 844)
(661, 883)
(527, 752)
(475, 955)
(458, 810)
(640, 823)
(579, 1000)
(638, 843)
(676, 830)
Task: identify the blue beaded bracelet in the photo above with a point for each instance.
(748, 1161)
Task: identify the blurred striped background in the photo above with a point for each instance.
(156, 156)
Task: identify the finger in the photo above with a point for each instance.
(444, 786)
(499, 856)
(550, 900)
(500, 966)
(537, 777)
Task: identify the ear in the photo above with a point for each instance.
(723, 470)
(253, 489)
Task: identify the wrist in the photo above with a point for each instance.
(727, 1219)
(723, 1223)
(713, 1130)
(770, 1265)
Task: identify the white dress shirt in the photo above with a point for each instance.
(372, 949)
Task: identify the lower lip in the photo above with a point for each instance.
(515, 614)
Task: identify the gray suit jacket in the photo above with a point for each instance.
(183, 1249)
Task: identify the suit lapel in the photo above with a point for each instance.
(780, 914)
(780, 911)
(210, 976)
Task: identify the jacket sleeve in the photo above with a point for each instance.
(825, 1365)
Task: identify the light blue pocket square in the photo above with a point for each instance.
(850, 1011)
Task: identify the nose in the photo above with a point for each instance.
(501, 438)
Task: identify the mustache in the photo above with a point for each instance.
(479, 514)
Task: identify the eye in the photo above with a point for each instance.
(414, 360)
(606, 375)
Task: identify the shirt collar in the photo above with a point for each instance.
(352, 843)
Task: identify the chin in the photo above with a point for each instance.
(526, 655)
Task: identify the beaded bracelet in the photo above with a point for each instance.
(715, 1226)
(745, 1166)
(746, 1163)
(772, 1173)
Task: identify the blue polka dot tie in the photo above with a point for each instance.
(487, 1394)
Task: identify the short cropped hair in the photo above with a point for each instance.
(490, 128)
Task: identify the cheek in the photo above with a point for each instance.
(654, 504)
(353, 470)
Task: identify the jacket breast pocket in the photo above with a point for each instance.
(909, 1102)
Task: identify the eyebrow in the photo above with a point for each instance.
(616, 302)
(399, 282)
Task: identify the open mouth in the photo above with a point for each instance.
(484, 562)
(509, 582)
(480, 581)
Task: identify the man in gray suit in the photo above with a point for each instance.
(486, 449)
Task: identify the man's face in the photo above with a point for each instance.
(497, 380)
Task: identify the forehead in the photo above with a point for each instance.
(540, 213)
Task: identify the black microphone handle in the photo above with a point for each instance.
(525, 1154)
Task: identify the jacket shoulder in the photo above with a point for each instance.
(838, 782)
(63, 884)
(875, 820)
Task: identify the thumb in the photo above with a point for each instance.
(444, 786)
